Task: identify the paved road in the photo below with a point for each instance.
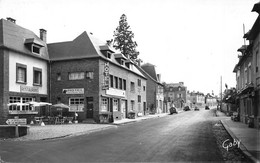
(180, 137)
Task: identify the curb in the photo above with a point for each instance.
(138, 120)
(79, 133)
(242, 147)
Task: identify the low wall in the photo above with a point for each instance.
(7, 131)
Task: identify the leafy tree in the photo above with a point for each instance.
(123, 39)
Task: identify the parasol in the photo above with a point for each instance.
(60, 107)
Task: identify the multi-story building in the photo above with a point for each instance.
(154, 90)
(248, 75)
(24, 70)
(210, 100)
(176, 93)
(197, 99)
(94, 80)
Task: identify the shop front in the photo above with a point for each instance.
(19, 103)
(113, 105)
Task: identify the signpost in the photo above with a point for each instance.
(21, 121)
(17, 122)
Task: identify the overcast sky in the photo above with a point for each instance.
(193, 41)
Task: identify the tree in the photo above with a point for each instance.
(123, 39)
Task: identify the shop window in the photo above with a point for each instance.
(89, 74)
(115, 105)
(76, 103)
(37, 76)
(104, 104)
(20, 100)
(132, 87)
(76, 75)
(21, 73)
(58, 76)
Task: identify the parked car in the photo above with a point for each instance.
(173, 110)
(186, 108)
(206, 107)
(196, 108)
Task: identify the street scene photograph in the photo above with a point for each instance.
(129, 81)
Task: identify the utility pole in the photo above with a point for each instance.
(220, 92)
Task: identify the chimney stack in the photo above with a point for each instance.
(159, 77)
(11, 19)
(43, 35)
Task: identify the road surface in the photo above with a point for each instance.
(186, 136)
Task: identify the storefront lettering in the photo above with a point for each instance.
(29, 89)
(106, 76)
(73, 91)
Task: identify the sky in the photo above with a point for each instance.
(190, 41)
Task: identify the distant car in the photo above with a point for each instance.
(196, 108)
(173, 110)
(186, 108)
(206, 107)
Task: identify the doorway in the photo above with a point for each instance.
(123, 108)
(90, 107)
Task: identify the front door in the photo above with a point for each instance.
(89, 107)
(123, 108)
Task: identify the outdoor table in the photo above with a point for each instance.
(51, 120)
(59, 120)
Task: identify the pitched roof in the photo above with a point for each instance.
(147, 75)
(84, 46)
(15, 37)
(80, 47)
(150, 69)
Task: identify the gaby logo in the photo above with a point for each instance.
(229, 143)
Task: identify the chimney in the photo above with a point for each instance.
(11, 19)
(43, 34)
(159, 77)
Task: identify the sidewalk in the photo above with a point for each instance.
(125, 121)
(66, 130)
(249, 137)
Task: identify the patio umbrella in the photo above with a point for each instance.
(60, 107)
(17, 104)
(34, 103)
(39, 104)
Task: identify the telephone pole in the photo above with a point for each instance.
(220, 92)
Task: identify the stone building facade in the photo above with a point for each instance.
(95, 80)
(248, 76)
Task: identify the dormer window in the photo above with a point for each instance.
(106, 51)
(120, 58)
(108, 55)
(122, 62)
(127, 65)
(35, 49)
(34, 45)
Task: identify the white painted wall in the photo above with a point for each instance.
(30, 62)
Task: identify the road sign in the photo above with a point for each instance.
(21, 121)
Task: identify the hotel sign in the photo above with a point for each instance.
(73, 91)
(106, 76)
(116, 92)
(29, 89)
